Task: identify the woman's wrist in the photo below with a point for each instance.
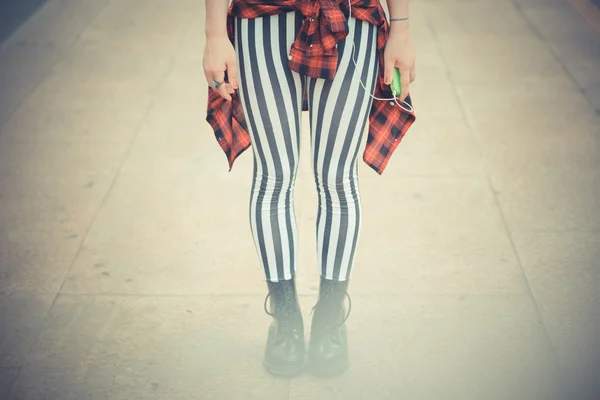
(398, 10)
(399, 27)
(215, 33)
(216, 18)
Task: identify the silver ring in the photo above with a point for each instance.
(215, 84)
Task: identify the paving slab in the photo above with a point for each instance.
(55, 186)
(115, 347)
(22, 318)
(7, 378)
(492, 347)
(574, 42)
(34, 262)
(562, 270)
(28, 56)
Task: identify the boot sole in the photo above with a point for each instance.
(284, 372)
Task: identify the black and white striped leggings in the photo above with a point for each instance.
(271, 97)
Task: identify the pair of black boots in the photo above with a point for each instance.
(286, 354)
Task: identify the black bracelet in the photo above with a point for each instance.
(398, 19)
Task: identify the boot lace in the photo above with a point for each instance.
(327, 297)
(284, 312)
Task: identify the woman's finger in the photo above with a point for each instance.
(405, 80)
(218, 74)
(224, 92)
(388, 73)
(232, 73)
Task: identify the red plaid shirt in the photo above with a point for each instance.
(388, 123)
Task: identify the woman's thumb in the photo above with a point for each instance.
(388, 73)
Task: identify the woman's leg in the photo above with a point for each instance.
(339, 110)
(271, 97)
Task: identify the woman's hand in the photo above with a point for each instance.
(400, 53)
(219, 56)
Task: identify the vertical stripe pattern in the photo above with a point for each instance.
(271, 97)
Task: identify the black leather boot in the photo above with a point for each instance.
(285, 354)
(328, 348)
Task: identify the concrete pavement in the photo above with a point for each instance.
(127, 269)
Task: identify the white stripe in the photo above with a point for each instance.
(319, 83)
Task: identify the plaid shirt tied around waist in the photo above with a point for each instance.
(314, 53)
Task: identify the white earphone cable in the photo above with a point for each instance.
(394, 99)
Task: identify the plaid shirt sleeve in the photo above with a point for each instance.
(314, 53)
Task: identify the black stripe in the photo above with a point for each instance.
(257, 238)
(311, 96)
(324, 95)
(315, 140)
(298, 25)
